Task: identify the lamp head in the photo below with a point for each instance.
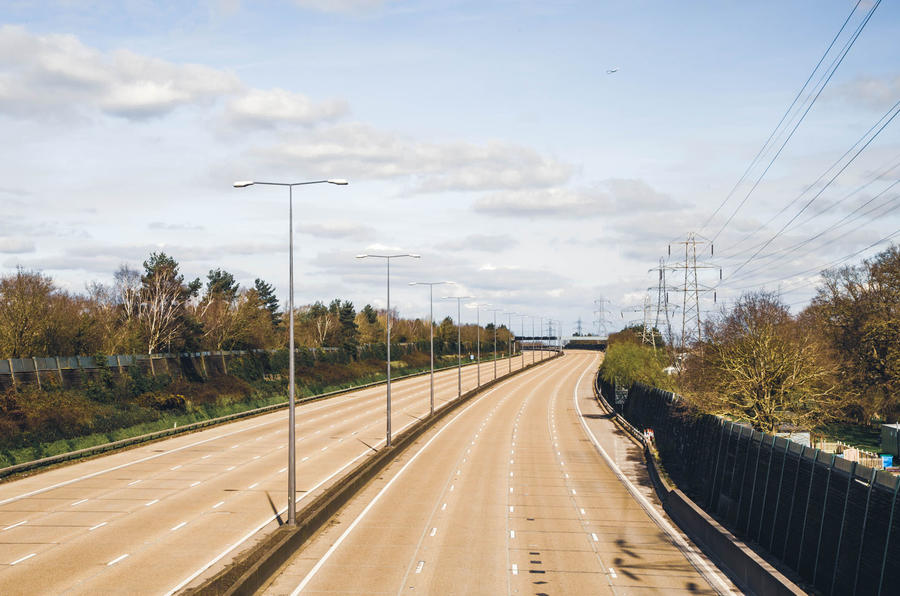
(243, 183)
(338, 181)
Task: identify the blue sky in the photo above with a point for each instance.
(486, 136)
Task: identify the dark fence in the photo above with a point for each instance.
(833, 521)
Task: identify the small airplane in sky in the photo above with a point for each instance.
(612, 70)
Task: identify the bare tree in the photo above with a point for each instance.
(760, 366)
(24, 308)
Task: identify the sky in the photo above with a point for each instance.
(487, 136)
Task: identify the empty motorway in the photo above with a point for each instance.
(516, 493)
(158, 518)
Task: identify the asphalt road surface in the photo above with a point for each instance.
(511, 495)
(157, 518)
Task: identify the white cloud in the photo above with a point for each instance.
(480, 242)
(341, 6)
(337, 230)
(551, 202)
(276, 106)
(52, 74)
(359, 151)
(16, 245)
(613, 197)
(185, 227)
(874, 92)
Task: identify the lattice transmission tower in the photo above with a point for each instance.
(663, 308)
(602, 321)
(691, 289)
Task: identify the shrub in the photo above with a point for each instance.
(627, 363)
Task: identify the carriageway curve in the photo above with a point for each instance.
(161, 517)
(513, 494)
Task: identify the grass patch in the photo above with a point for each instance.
(861, 437)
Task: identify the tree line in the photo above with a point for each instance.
(157, 310)
(837, 360)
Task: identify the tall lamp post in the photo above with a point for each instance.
(387, 259)
(292, 471)
(478, 339)
(542, 338)
(459, 300)
(522, 324)
(431, 285)
(510, 331)
(495, 311)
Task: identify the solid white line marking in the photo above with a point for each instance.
(25, 558)
(132, 483)
(282, 470)
(79, 502)
(207, 455)
(252, 486)
(117, 559)
(153, 502)
(219, 504)
(697, 561)
(100, 525)
(419, 566)
(515, 569)
(195, 483)
(433, 531)
(179, 526)
(173, 468)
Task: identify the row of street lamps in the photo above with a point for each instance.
(292, 473)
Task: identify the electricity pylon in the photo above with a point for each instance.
(691, 289)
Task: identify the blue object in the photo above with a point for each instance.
(887, 459)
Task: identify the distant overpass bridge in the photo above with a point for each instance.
(585, 342)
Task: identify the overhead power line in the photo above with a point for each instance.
(780, 122)
(820, 87)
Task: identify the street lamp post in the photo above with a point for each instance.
(431, 285)
(495, 311)
(542, 338)
(387, 259)
(459, 300)
(478, 339)
(522, 326)
(292, 472)
(510, 332)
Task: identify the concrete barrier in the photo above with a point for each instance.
(252, 569)
(746, 568)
